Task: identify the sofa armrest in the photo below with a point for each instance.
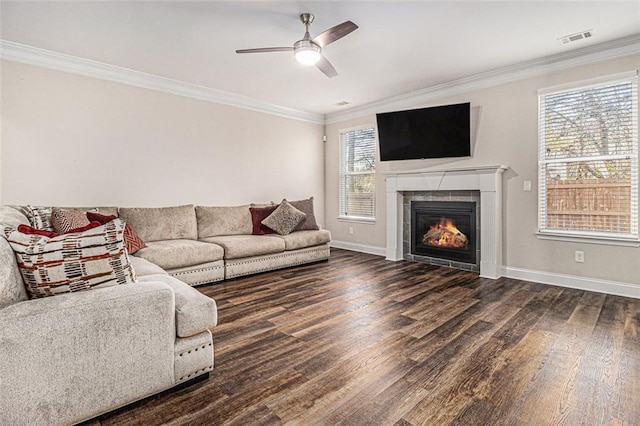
(195, 312)
(67, 358)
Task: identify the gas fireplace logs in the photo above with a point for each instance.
(445, 234)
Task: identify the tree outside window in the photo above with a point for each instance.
(588, 141)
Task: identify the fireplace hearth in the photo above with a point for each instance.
(444, 230)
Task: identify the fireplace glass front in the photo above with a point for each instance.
(444, 230)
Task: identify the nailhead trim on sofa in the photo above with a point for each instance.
(199, 371)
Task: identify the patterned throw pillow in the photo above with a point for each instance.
(66, 220)
(284, 219)
(39, 216)
(132, 241)
(72, 262)
(258, 214)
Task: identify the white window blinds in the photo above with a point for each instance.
(588, 159)
(357, 173)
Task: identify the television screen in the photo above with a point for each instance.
(435, 132)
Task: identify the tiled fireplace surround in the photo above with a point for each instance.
(468, 184)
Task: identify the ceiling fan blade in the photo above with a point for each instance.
(325, 66)
(266, 49)
(335, 33)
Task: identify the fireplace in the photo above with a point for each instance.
(486, 180)
(444, 230)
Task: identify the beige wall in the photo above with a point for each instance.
(71, 140)
(507, 134)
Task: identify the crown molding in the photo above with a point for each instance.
(30, 55)
(587, 55)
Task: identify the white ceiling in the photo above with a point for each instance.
(400, 47)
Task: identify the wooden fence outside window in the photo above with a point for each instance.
(589, 205)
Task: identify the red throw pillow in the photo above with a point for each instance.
(102, 218)
(26, 229)
(258, 214)
(132, 241)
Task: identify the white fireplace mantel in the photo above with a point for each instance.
(486, 179)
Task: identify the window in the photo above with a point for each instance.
(358, 173)
(588, 160)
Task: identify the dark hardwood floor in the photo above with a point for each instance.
(359, 340)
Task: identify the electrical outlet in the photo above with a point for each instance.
(351, 230)
(526, 185)
(579, 256)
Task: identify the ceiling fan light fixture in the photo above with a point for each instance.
(306, 52)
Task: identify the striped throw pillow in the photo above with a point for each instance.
(39, 216)
(72, 262)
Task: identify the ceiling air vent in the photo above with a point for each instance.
(577, 36)
(342, 103)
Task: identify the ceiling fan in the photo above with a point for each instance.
(308, 51)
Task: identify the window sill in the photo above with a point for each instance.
(365, 220)
(577, 238)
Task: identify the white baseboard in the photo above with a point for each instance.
(572, 281)
(582, 283)
(378, 251)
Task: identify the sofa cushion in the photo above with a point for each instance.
(284, 218)
(132, 241)
(162, 223)
(237, 246)
(64, 221)
(12, 289)
(258, 214)
(13, 216)
(302, 239)
(143, 267)
(306, 206)
(214, 221)
(72, 262)
(195, 312)
(170, 254)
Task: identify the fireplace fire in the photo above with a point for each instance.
(444, 230)
(445, 234)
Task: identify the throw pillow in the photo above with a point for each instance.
(258, 214)
(284, 218)
(39, 216)
(132, 241)
(65, 220)
(306, 207)
(72, 262)
(91, 225)
(25, 229)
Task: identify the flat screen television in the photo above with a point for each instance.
(434, 132)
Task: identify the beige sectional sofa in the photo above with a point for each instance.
(74, 356)
(200, 245)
